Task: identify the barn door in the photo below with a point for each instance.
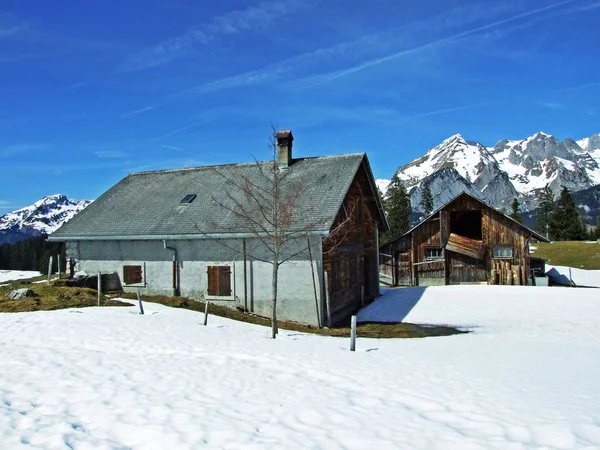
(403, 275)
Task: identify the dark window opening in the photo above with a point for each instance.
(188, 199)
(466, 224)
(219, 281)
(433, 253)
(132, 274)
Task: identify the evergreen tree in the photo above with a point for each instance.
(397, 207)
(427, 200)
(515, 214)
(32, 254)
(565, 222)
(546, 205)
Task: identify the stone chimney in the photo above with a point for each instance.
(284, 143)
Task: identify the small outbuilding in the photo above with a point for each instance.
(465, 241)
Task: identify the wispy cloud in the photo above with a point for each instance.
(135, 112)
(231, 23)
(406, 35)
(166, 164)
(10, 26)
(11, 31)
(407, 52)
(19, 149)
(500, 101)
(551, 105)
(582, 86)
(171, 147)
(113, 154)
(585, 8)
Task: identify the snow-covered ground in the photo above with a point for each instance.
(581, 277)
(11, 275)
(526, 377)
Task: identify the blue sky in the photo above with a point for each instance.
(91, 90)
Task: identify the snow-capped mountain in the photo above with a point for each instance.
(509, 169)
(42, 217)
(591, 145)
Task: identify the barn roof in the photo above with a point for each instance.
(150, 205)
(535, 234)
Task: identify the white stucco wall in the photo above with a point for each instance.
(296, 298)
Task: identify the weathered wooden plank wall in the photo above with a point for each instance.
(355, 259)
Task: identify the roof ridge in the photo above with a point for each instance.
(212, 166)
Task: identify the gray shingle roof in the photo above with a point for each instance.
(147, 204)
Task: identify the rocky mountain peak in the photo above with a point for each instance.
(512, 168)
(41, 217)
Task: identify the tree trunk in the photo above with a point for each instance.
(274, 328)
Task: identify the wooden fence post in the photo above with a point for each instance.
(99, 287)
(353, 334)
(140, 303)
(205, 312)
(49, 269)
(327, 301)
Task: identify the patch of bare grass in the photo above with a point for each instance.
(51, 297)
(367, 330)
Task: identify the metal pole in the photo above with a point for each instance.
(327, 300)
(353, 334)
(59, 266)
(140, 302)
(205, 312)
(99, 287)
(245, 278)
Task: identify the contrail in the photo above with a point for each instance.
(496, 102)
(375, 62)
(178, 130)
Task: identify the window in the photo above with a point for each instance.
(503, 252)
(188, 199)
(433, 253)
(219, 281)
(132, 274)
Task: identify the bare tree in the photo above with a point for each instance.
(269, 206)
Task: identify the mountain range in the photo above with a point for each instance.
(499, 174)
(42, 217)
(510, 169)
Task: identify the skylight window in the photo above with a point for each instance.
(188, 199)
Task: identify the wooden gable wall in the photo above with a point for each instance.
(496, 229)
(352, 265)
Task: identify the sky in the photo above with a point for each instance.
(92, 90)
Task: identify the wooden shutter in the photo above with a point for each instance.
(213, 280)
(219, 281)
(132, 274)
(225, 281)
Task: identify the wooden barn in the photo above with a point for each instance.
(465, 241)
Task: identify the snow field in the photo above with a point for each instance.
(526, 377)
(12, 275)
